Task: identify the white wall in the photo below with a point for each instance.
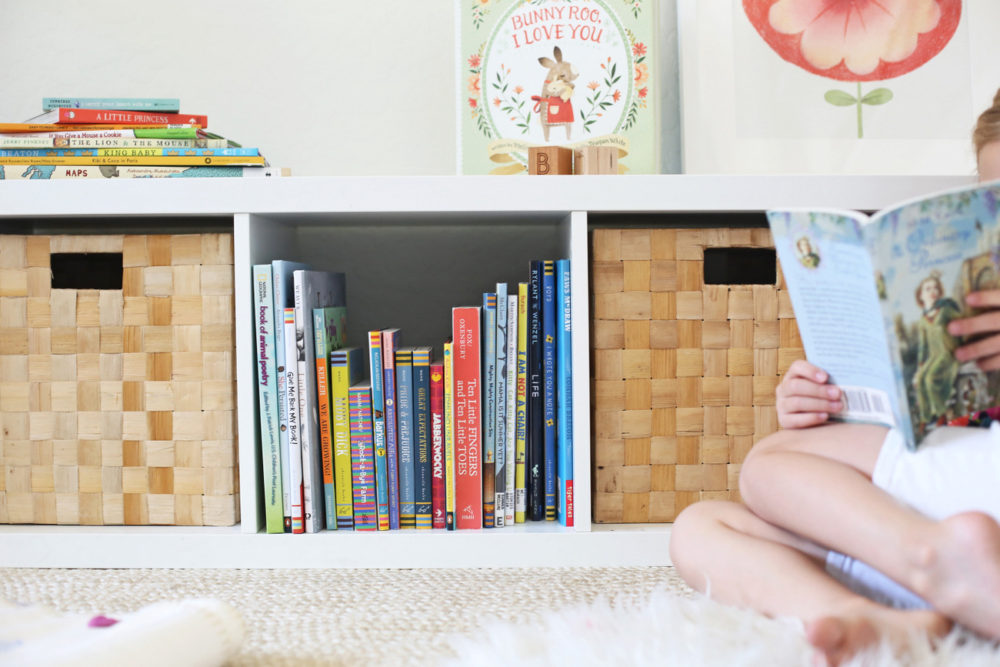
(325, 87)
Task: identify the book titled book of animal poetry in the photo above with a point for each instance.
(873, 297)
(556, 72)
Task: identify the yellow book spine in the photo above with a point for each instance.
(340, 411)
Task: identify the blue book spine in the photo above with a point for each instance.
(267, 392)
(405, 429)
(564, 394)
(378, 426)
(489, 384)
(141, 152)
(536, 431)
(164, 104)
(549, 383)
(283, 298)
(500, 407)
(422, 433)
(390, 341)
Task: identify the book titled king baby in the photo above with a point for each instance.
(556, 72)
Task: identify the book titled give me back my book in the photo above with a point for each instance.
(873, 297)
(556, 72)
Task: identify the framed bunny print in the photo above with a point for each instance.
(821, 86)
(571, 73)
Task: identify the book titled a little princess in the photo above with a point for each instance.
(873, 297)
(556, 72)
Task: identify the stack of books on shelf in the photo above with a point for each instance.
(121, 138)
(382, 436)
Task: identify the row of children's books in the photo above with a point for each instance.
(101, 137)
(382, 436)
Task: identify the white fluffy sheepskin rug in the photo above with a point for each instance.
(666, 629)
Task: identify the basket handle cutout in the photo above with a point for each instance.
(740, 266)
(86, 270)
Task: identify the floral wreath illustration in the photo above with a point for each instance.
(509, 98)
(856, 41)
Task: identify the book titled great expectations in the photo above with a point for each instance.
(570, 73)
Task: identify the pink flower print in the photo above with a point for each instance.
(638, 49)
(475, 61)
(593, 85)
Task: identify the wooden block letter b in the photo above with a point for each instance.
(549, 161)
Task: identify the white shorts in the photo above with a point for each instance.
(954, 470)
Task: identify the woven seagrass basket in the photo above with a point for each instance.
(684, 371)
(117, 402)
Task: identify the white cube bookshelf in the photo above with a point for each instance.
(412, 248)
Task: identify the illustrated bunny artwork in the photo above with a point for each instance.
(553, 106)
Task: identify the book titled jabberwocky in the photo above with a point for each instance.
(570, 73)
(873, 297)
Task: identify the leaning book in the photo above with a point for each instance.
(556, 72)
(873, 296)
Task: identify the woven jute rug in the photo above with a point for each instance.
(347, 617)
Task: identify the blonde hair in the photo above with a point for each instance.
(988, 126)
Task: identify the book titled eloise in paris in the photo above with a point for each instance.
(556, 72)
(873, 297)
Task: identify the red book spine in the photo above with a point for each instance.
(468, 417)
(437, 446)
(113, 116)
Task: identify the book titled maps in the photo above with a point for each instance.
(556, 72)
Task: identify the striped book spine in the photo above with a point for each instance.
(422, 436)
(405, 430)
(378, 425)
(500, 406)
(363, 458)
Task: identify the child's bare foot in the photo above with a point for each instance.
(958, 571)
(842, 635)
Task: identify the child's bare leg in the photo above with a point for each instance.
(817, 483)
(722, 549)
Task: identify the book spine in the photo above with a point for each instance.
(270, 449)
(140, 160)
(363, 458)
(18, 128)
(24, 172)
(405, 428)
(378, 423)
(449, 437)
(163, 104)
(489, 388)
(438, 500)
(294, 423)
(511, 395)
(564, 395)
(22, 141)
(126, 152)
(61, 135)
(468, 417)
(344, 374)
(72, 115)
(282, 290)
(536, 432)
(521, 410)
(390, 341)
(549, 383)
(500, 407)
(323, 405)
(422, 436)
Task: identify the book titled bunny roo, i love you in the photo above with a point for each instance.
(569, 73)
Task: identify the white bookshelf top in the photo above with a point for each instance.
(459, 194)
